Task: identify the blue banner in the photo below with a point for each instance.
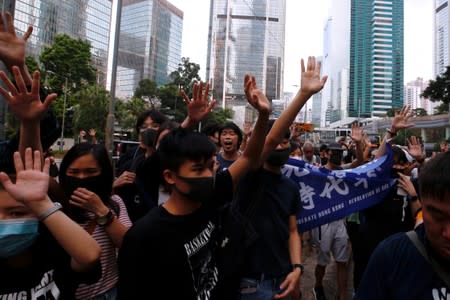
(331, 195)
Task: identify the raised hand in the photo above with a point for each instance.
(199, 106)
(31, 181)
(12, 47)
(311, 82)
(357, 133)
(401, 118)
(415, 148)
(255, 96)
(25, 105)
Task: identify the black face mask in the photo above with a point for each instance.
(201, 189)
(336, 158)
(96, 184)
(324, 161)
(278, 157)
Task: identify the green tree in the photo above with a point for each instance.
(68, 58)
(92, 110)
(146, 88)
(185, 75)
(171, 102)
(126, 113)
(439, 89)
(32, 65)
(220, 115)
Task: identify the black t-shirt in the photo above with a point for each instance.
(49, 276)
(397, 270)
(164, 256)
(390, 216)
(277, 198)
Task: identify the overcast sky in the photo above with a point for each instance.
(305, 21)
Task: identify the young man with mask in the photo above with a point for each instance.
(332, 238)
(175, 244)
(397, 269)
(271, 202)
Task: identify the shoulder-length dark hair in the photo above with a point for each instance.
(101, 156)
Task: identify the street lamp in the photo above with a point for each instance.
(61, 141)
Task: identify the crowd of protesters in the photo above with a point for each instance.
(210, 214)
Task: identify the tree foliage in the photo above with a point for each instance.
(439, 89)
(68, 58)
(91, 110)
(185, 75)
(126, 113)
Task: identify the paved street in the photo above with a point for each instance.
(309, 259)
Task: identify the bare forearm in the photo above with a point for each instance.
(282, 124)
(295, 249)
(30, 136)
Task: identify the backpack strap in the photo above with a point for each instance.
(443, 274)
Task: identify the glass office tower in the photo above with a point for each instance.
(149, 43)
(245, 37)
(376, 57)
(441, 36)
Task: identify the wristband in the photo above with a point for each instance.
(300, 266)
(56, 206)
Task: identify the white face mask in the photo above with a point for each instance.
(344, 153)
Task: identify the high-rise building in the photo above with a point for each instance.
(245, 37)
(336, 61)
(149, 44)
(376, 57)
(441, 36)
(88, 20)
(413, 90)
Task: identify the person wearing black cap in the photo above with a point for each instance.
(332, 237)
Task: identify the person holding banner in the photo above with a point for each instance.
(332, 238)
(271, 202)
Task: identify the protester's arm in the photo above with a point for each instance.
(27, 107)
(12, 47)
(357, 138)
(89, 201)
(405, 183)
(400, 121)
(199, 106)
(93, 134)
(311, 83)
(254, 146)
(31, 189)
(415, 149)
(289, 284)
(246, 131)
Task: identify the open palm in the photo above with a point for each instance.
(31, 183)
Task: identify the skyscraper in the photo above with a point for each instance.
(376, 57)
(245, 37)
(441, 36)
(149, 44)
(336, 61)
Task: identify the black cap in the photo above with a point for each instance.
(335, 146)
